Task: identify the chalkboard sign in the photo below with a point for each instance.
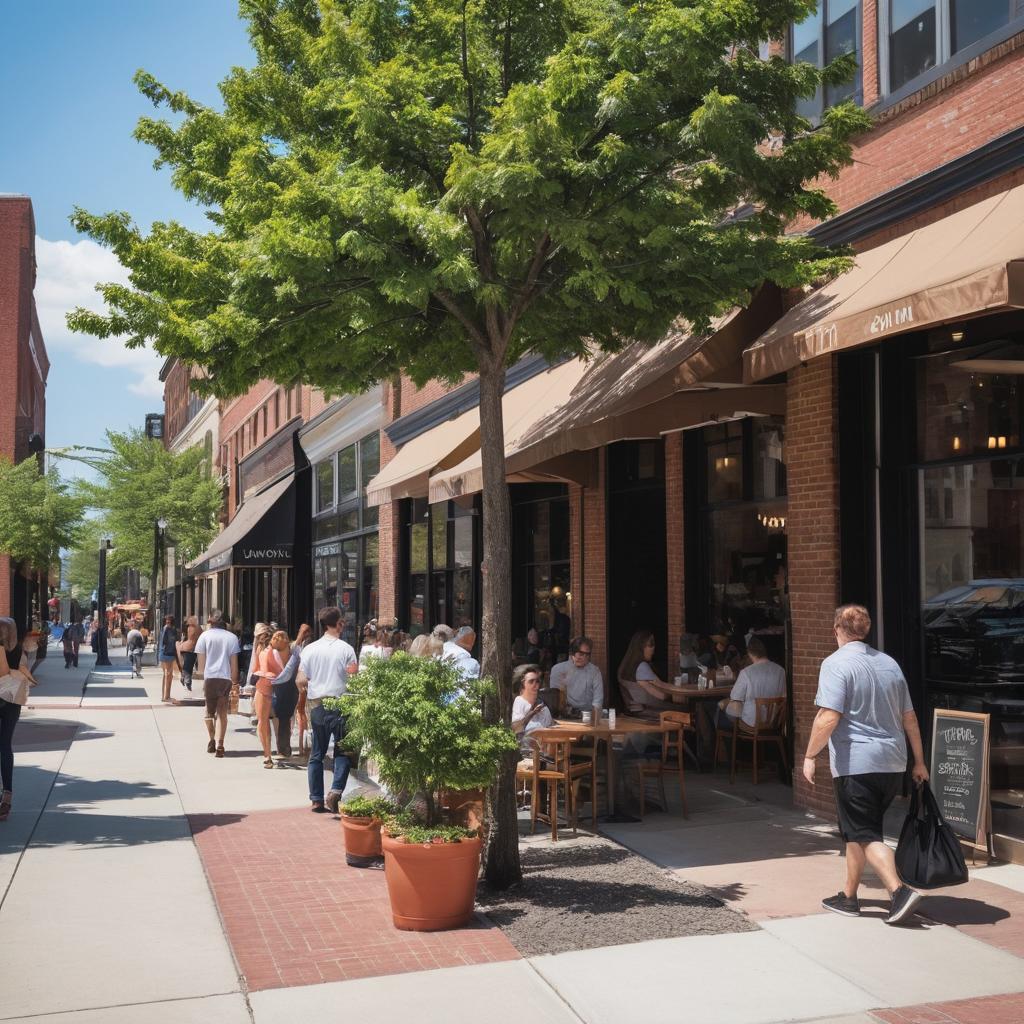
(959, 772)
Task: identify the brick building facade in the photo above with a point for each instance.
(25, 368)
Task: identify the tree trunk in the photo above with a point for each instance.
(502, 854)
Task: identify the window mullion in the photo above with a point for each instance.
(884, 21)
(943, 30)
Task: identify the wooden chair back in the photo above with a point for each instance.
(672, 740)
(769, 714)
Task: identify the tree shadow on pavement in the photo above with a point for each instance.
(41, 734)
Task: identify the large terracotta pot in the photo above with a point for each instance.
(362, 841)
(432, 886)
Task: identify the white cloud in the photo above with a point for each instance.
(68, 273)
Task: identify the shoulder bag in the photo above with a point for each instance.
(928, 855)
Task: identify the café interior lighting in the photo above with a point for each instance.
(723, 462)
(957, 335)
(956, 443)
(771, 522)
(1001, 442)
(991, 441)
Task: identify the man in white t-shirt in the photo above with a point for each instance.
(761, 678)
(217, 651)
(327, 664)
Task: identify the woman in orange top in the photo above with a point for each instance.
(265, 668)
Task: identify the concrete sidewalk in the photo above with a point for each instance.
(108, 913)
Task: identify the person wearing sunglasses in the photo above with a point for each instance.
(579, 678)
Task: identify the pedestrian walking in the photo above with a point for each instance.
(77, 631)
(217, 653)
(865, 715)
(15, 681)
(285, 696)
(167, 652)
(261, 634)
(279, 664)
(134, 645)
(187, 651)
(327, 663)
(68, 646)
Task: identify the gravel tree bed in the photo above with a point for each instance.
(589, 892)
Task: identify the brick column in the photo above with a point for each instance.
(594, 620)
(869, 53)
(388, 533)
(674, 547)
(812, 528)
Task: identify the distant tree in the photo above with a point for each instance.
(38, 514)
(140, 481)
(443, 186)
(83, 567)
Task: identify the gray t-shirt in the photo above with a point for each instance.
(583, 687)
(868, 689)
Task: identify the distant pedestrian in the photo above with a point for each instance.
(865, 715)
(77, 631)
(285, 696)
(327, 663)
(279, 665)
(217, 653)
(68, 646)
(167, 652)
(187, 651)
(134, 645)
(15, 681)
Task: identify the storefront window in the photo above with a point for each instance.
(829, 32)
(345, 571)
(440, 552)
(325, 485)
(972, 558)
(743, 534)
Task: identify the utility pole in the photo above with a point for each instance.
(102, 660)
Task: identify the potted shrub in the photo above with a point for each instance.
(424, 725)
(361, 819)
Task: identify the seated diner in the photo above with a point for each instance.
(761, 678)
(529, 712)
(636, 674)
(579, 678)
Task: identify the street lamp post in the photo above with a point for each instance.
(102, 660)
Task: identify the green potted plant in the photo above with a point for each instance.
(424, 725)
(361, 819)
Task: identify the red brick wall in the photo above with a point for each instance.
(388, 534)
(812, 528)
(674, 546)
(594, 619)
(953, 116)
(22, 392)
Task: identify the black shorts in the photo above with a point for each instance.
(862, 801)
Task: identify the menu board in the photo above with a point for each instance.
(959, 772)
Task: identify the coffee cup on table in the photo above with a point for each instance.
(597, 714)
(586, 717)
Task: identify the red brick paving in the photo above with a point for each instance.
(988, 1010)
(296, 914)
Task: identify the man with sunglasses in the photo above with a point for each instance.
(579, 678)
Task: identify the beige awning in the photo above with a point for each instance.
(642, 391)
(966, 264)
(406, 475)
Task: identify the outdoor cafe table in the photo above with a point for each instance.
(690, 691)
(568, 728)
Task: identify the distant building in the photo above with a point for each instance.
(23, 380)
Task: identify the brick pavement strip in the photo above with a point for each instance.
(1008, 1009)
(296, 914)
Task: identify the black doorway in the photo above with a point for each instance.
(637, 556)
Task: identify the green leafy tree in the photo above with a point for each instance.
(38, 514)
(446, 185)
(83, 568)
(140, 481)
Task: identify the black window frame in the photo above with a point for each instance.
(820, 99)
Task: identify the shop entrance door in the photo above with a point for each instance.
(637, 555)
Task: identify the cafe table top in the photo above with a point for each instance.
(689, 690)
(566, 728)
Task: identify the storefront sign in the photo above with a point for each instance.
(218, 561)
(887, 319)
(278, 554)
(959, 772)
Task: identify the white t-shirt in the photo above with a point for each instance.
(541, 720)
(468, 666)
(762, 679)
(368, 651)
(325, 662)
(218, 645)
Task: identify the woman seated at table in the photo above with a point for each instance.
(636, 675)
(529, 712)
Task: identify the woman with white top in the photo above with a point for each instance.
(636, 674)
(529, 712)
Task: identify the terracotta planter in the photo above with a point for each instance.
(362, 841)
(432, 886)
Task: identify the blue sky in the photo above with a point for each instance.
(67, 110)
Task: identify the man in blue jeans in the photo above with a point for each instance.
(327, 664)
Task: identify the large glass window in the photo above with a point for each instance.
(831, 31)
(325, 485)
(440, 554)
(924, 33)
(346, 553)
(743, 542)
(971, 509)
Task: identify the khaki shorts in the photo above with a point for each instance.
(216, 692)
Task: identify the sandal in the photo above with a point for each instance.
(5, 805)
(268, 762)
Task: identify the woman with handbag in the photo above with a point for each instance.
(14, 687)
(167, 652)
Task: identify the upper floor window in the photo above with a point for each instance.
(919, 35)
(831, 31)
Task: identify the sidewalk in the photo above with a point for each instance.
(141, 877)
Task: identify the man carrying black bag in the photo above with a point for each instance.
(865, 715)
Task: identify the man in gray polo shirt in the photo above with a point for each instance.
(865, 715)
(579, 678)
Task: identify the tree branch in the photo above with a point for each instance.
(470, 98)
(473, 332)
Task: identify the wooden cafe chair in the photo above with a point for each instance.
(559, 771)
(769, 727)
(672, 757)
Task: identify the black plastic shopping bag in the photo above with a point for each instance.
(928, 855)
